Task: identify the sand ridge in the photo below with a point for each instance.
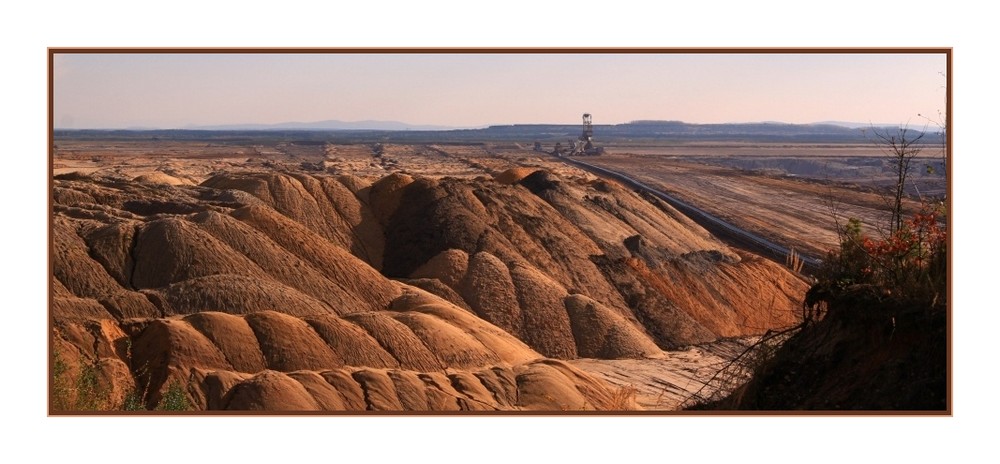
(290, 291)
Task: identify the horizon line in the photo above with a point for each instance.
(267, 127)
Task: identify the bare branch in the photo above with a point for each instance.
(899, 146)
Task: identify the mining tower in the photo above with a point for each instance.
(588, 133)
(584, 146)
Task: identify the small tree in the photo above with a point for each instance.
(899, 147)
(909, 260)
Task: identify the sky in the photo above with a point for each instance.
(471, 90)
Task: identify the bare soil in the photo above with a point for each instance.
(402, 277)
(793, 195)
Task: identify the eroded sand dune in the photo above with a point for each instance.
(282, 291)
(541, 385)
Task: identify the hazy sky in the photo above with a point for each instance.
(176, 90)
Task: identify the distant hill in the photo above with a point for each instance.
(679, 131)
(860, 125)
(330, 124)
(396, 132)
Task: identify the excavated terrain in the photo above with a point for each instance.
(798, 205)
(287, 290)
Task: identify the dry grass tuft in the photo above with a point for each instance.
(623, 399)
(794, 261)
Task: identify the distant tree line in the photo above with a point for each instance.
(637, 131)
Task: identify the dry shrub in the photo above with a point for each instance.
(733, 375)
(613, 398)
(622, 399)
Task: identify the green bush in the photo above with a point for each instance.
(174, 399)
(86, 391)
(910, 264)
(83, 393)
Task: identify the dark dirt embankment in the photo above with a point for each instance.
(870, 353)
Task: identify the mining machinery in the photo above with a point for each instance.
(584, 145)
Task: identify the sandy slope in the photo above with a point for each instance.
(274, 287)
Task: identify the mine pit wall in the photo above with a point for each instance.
(207, 289)
(719, 228)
